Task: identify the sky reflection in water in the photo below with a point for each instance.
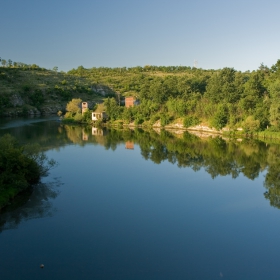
(119, 216)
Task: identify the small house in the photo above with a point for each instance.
(84, 107)
(97, 131)
(99, 113)
(131, 102)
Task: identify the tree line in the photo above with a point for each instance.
(220, 98)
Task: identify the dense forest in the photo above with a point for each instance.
(217, 98)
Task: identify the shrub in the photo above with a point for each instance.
(251, 125)
(19, 167)
(190, 121)
(220, 118)
(86, 117)
(138, 121)
(154, 118)
(78, 117)
(164, 119)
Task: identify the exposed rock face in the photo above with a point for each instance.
(203, 128)
(34, 111)
(52, 109)
(103, 90)
(100, 90)
(16, 100)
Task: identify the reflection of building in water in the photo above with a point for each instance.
(129, 145)
(98, 131)
(84, 107)
(85, 136)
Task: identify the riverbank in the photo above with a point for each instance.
(201, 128)
(20, 167)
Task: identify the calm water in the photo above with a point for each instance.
(143, 205)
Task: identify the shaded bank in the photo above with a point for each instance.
(20, 167)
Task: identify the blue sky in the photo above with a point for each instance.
(115, 33)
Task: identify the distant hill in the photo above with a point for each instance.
(35, 90)
(222, 98)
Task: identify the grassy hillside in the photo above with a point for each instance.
(37, 90)
(223, 98)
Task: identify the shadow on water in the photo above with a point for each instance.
(34, 203)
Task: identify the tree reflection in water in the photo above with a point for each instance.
(34, 203)
(219, 157)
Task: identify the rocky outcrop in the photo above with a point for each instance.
(16, 100)
(103, 90)
(52, 109)
(34, 112)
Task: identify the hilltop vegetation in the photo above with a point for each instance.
(30, 89)
(219, 98)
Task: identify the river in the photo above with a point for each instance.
(135, 204)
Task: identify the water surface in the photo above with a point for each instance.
(144, 205)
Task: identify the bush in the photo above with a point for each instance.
(20, 167)
(154, 118)
(78, 117)
(220, 118)
(87, 116)
(138, 121)
(251, 125)
(164, 119)
(190, 121)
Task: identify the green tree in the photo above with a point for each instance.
(73, 107)
(112, 108)
(251, 125)
(222, 86)
(219, 119)
(3, 62)
(274, 91)
(55, 69)
(10, 63)
(19, 167)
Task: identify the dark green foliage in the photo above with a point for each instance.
(37, 98)
(190, 121)
(25, 111)
(87, 117)
(177, 91)
(164, 119)
(19, 167)
(154, 118)
(113, 110)
(4, 101)
(220, 118)
(128, 115)
(223, 86)
(251, 125)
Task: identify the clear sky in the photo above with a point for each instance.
(115, 33)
